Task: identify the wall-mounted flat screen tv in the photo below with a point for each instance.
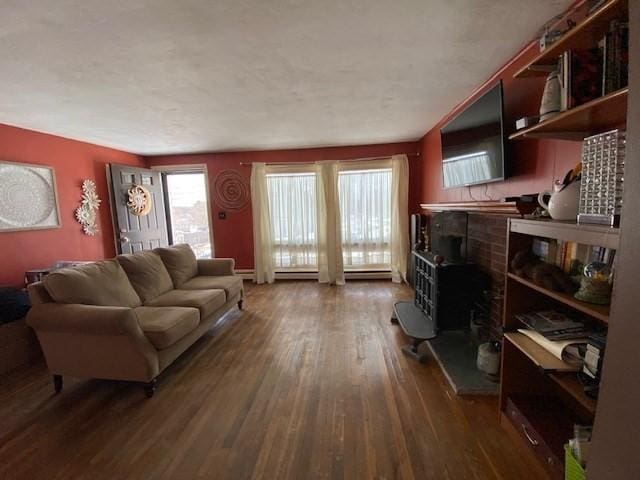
(473, 143)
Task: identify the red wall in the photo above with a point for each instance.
(73, 162)
(533, 164)
(233, 236)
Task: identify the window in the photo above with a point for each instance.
(365, 209)
(188, 215)
(292, 205)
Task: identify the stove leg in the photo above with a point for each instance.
(413, 352)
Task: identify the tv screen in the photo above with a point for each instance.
(473, 143)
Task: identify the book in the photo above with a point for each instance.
(570, 351)
(564, 76)
(585, 76)
(554, 325)
(615, 54)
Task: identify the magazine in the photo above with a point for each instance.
(554, 325)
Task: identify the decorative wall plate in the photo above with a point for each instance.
(87, 212)
(231, 190)
(28, 199)
(139, 200)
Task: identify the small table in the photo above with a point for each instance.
(416, 325)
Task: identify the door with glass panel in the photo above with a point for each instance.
(188, 215)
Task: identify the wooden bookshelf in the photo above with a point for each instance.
(529, 371)
(600, 312)
(598, 115)
(585, 35)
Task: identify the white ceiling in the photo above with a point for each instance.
(176, 76)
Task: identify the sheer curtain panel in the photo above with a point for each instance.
(330, 263)
(262, 227)
(365, 208)
(292, 205)
(399, 217)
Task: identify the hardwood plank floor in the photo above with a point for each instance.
(307, 382)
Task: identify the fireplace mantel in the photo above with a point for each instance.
(489, 207)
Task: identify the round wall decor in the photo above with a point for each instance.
(27, 197)
(139, 200)
(231, 191)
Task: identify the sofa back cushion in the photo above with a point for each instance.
(102, 283)
(147, 274)
(180, 262)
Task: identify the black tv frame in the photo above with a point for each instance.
(503, 143)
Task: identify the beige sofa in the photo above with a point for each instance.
(130, 317)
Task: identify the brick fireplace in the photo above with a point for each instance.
(486, 247)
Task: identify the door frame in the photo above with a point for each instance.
(188, 168)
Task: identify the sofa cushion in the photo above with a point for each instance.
(180, 262)
(206, 301)
(102, 283)
(231, 284)
(147, 274)
(165, 326)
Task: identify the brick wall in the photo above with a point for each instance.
(487, 247)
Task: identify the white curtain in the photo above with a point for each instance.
(331, 215)
(365, 207)
(330, 263)
(262, 227)
(292, 205)
(399, 217)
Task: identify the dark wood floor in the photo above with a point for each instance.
(308, 382)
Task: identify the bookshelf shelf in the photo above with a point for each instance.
(538, 355)
(560, 372)
(600, 114)
(584, 35)
(600, 312)
(570, 384)
(586, 234)
(488, 207)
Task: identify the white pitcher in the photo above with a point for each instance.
(563, 204)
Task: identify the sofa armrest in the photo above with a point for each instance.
(76, 318)
(215, 267)
(90, 341)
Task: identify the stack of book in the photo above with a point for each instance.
(562, 336)
(588, 74)
(615, 57)
(594, 355)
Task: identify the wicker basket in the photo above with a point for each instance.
(572, 468)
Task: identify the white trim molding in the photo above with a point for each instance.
(248, 274)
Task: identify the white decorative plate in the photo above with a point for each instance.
(27, 197)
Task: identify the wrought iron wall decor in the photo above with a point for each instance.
(231, 190)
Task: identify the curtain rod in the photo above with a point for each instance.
(347, 160)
